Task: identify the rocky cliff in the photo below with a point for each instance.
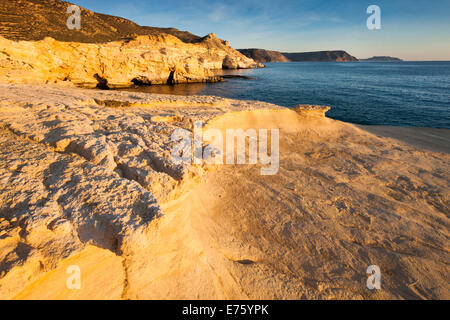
(320, 56)
(152, 59)
(262, 55)
(106, 52)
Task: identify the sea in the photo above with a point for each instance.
(410, 94)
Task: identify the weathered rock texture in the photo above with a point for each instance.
(308, 110)
(87, 179)
(82, 167)
(146, 60)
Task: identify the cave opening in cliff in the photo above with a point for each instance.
(170, 80)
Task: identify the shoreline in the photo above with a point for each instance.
(430, 139)
(347, 100)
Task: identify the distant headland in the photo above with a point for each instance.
(263, 56)
(381, 59)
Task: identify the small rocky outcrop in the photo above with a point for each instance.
(308, 110)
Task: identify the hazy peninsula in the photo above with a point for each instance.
(381, 59)
(262, 55)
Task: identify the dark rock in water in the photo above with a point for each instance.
(236, 76)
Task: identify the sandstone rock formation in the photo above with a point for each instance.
(87, 179)
(83, 167)
(312, 110)
(262, 55)
(161, 59)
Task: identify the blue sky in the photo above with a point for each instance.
(411, 29)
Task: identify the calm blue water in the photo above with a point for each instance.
(394, 93)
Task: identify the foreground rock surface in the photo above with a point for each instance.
(87, 176)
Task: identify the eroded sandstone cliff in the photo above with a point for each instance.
(152, 59)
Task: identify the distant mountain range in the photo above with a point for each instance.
(262, 56)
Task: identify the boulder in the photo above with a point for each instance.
(308, 110)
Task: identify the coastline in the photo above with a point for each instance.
(344, 87)
(431, 139)
(87, 175)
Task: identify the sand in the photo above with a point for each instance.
(342, 200)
